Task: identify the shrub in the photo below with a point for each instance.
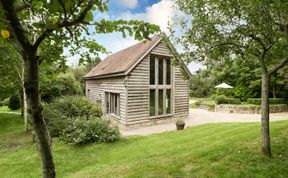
(62, 85)
(83, 131)
(198, 103)
(224, 91)
(221, 99)
(1, 103)
(14, 102)
(278, 100)
(64, 109)
(6, 101)
(180, 122)
(214, 96)
(257, 101)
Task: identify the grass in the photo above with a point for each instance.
(212, 150)
(6, 109)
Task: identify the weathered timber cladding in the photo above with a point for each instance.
(98, 87)
(162, 49)
(138, 93)
(181, 94)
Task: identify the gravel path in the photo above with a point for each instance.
(201, 116)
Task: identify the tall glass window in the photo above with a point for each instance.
(160, 102)
(168, 101)
(152, 102)
(152, 70)
(160, 71)
(168, 72)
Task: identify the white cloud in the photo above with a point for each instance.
(128, 3)
(159, 13)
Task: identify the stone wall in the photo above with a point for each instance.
(249, 109)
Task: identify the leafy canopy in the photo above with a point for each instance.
(222, 30)
(50, 26)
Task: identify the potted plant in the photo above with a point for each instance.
(180, 124)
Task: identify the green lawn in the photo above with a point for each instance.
(212, 150)
(6, 109)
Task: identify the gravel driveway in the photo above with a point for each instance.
(201, 116)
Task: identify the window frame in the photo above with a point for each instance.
(112, 103)
(164, 86)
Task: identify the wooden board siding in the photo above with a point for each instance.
(98, 87)
(138, 93)
(181, 94)
(162, 49)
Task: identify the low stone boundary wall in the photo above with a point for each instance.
(249, 109)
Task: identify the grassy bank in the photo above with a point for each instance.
(212, 150)
(6, 109)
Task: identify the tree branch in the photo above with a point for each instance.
(15, 24)
(64, 9)
(279, 66)
(254, 37)
(22, 7)
(231, 44)
(65, 23)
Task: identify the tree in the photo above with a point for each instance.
(12, 76)
(201, 84)
(53, 26)
(251, 29)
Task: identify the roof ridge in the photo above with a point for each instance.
(138, 43)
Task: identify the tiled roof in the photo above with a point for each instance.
(121, 61)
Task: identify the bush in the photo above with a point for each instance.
(1, 103)
(180, 122)
(221, 99)
(14, 102)
(83, 131)
(64, 109)
(6, 101)
(257, 101)
(224, 91)
(214, 96)
(62, 85)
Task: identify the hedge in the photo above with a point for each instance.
(257, 101)
(221, 99)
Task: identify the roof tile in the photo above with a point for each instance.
(122, 60)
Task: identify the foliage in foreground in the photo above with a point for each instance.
(76, 120)
(212, 150)
(90, 130)
(58, 113)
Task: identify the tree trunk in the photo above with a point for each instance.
(35, 110)
(24, 100)
(265, 131)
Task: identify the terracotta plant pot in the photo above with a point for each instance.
(180, 126)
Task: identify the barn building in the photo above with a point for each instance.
(141, 84)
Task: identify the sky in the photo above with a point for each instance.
(158, 12)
